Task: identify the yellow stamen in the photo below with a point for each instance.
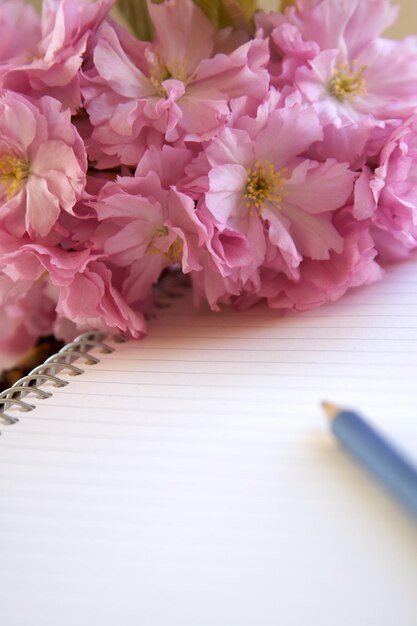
(347, 83)
(13, 173)
(174, 252)
(264, 184)
(163, 71)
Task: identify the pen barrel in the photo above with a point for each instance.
(383, 460)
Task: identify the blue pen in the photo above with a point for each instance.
(376, 453)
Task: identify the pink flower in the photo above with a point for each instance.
(174, 85)
(146, 223)
(376, 83)
(347, 26)
(332, 52)
(260, 185)
(288, 49)
(226, 260)
(21, 259)
(357, 73)
(18, 17)
(27, 312)
(388, 196)
(52, 67)
(42, 164)
(93, 300)
(87, 290)
(324, 281)
(319, 281)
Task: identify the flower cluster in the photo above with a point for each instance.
(277, 165)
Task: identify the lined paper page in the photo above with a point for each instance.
(189, 479)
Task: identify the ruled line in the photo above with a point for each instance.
(269, 338)
(227, 349)
(84, 378)
(246, 400)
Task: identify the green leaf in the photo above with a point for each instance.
(227, 12)
(136, 17)
(212, 10)
(239, 13)
(248, 7)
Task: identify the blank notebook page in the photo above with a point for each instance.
(189, 479)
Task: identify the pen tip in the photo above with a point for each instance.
(331, 410)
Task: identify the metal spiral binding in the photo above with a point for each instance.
(47, 372)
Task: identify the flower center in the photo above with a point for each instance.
(347, 83)
(13, 173)
(264, 184)
(175, 250)
(161, 71)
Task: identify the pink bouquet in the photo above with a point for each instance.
(271, 158)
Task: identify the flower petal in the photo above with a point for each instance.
(184, 34)
(314, 235)
(320, 187)
(115, 67)
(227, 183)
(42, 209)
(289, 132)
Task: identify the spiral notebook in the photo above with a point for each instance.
(188, 479)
